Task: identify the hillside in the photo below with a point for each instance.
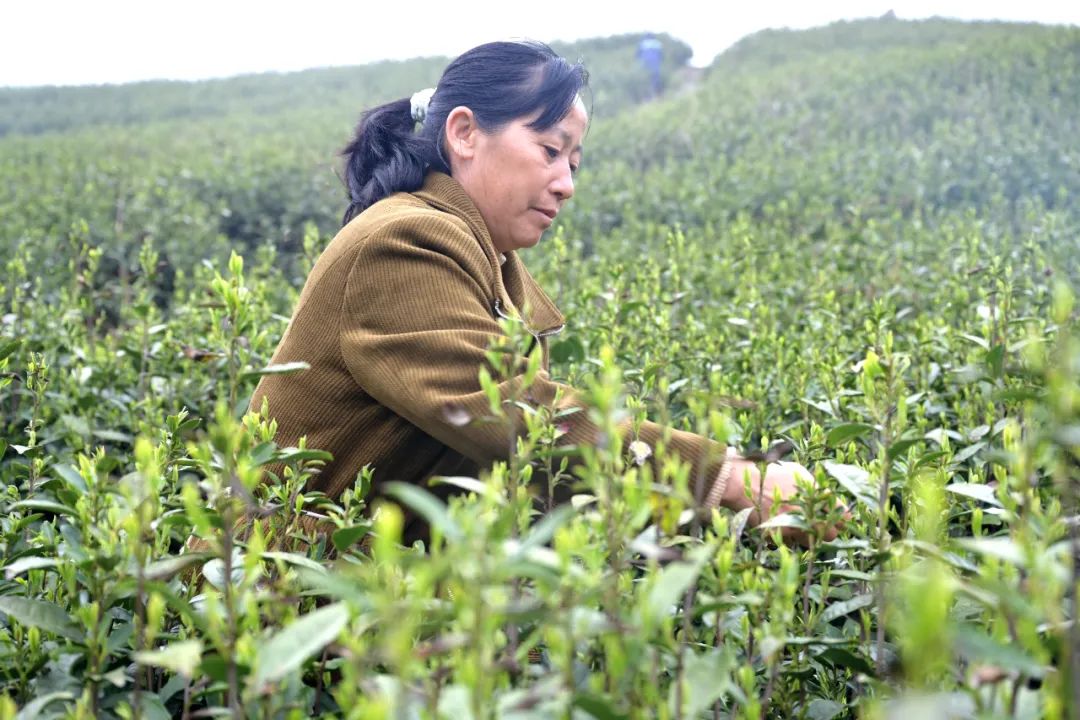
(619, 82)
(911, 117)
(875, 117)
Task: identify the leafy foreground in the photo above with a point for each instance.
(917, 349)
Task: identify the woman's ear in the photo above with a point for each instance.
(461, 133)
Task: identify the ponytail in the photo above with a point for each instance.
(384, 157)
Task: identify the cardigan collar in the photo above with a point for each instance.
(514, 287)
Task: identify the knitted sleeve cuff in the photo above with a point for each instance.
(719, 486)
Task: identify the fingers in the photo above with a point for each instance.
(797, 471)
(827, 525)
(833, 530)
(845, 518)
(783, 478)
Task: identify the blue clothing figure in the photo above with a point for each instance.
(650, 54)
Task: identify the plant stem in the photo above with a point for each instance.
(770, 687)
(883, 541)
(230, 613)
(140, 613)
(1072, 595)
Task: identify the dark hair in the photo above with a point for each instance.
(498, 81)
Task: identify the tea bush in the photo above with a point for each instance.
(850, 246)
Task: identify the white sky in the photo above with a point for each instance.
(77, 42)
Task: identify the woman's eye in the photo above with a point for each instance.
(551, 152)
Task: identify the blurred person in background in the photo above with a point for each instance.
(650, 54)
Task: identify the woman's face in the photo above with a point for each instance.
(520, 178)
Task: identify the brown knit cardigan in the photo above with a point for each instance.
(394, 320)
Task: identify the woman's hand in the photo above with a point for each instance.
(781, 478)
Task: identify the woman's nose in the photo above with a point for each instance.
(564, 184)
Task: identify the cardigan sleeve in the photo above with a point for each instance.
(417, 318)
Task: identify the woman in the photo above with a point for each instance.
(397, 313)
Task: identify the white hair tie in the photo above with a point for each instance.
(419, 103)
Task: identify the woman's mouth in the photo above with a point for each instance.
(547, 216)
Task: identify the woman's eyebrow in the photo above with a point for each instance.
(566, 140)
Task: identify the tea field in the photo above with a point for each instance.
(853, 247)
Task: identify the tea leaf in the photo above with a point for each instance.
(8, 347)
(41, 614)
(153, 707)
(1002, 548)
(469, 484)
(597, 706)
(280, 369)
(296, 455)
(427, 505)
(841, 657)
(543, 531)
(32, 710)
(167, 567)
(855, 480)
(71, 476)
(292, 646)
(28, 563)
(822, 709)
(985, 493)
(846, 607)
(113, 436)
(976, 646)
(45, 505)
(967, 452)
(822, 405)
(214, 570)
(344, 538)
(974, 339)
(182, 657)
(707, 677)
(75, 424)
(294, 559)
(674, 580)
(842, 434)
(569, 350)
